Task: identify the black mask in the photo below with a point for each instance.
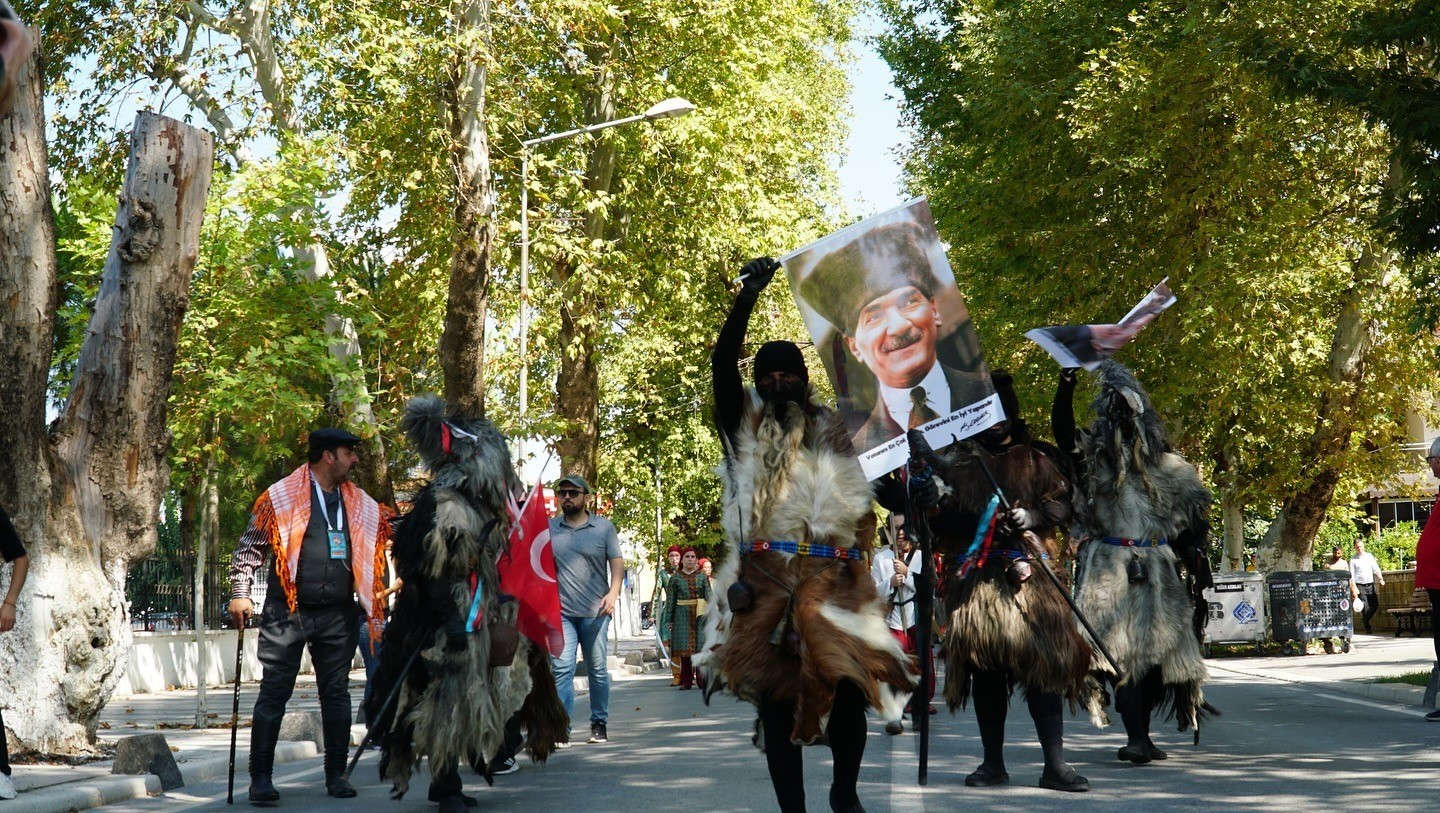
(793, 391)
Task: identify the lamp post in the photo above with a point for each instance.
(668, 109)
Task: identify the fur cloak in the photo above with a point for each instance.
(1027, 630)
(793, 476)
(453, 704)
(1136, 488)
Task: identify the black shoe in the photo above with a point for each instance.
(454, 804)
(1070, 782)
(894, 727)
(852, 806)
(338, 786)
(1137, 754)
(500, 767)
(262, 790)
(597, 733)
(1155, 753)
(987, 776)
(468, 801)
(1433, 716)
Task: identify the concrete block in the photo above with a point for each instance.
(303, 726)
(148, 754)
(634, 658)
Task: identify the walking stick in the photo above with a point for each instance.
(384, 709)
(235, 711)
(924, 598)
(1059, 588)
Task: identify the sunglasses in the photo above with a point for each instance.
(568, 492)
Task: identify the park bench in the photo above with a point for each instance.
(1414, 618)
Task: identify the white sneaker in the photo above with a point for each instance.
(7, 787)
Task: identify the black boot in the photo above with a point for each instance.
(1047, 711)
(991, 696)
(337, 750)
(263, 736)
(262, 790)
(454, 803)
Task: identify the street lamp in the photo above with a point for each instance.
(668, 109)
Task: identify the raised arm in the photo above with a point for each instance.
(725, 361)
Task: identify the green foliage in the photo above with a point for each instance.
(359, 156)
(1394, 548)
(1077, 152)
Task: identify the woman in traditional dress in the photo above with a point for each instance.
(687, 594)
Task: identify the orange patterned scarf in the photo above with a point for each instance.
(283, 514)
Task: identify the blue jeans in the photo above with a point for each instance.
(370, 655)
(589, 634)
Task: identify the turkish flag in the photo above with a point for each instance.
(527, 572)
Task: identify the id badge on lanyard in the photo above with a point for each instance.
(334, 532)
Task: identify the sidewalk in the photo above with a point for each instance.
(203, 754)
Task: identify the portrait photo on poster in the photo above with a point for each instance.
(1089, 345)
(893, 332)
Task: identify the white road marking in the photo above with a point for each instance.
(1397, 708)
(906, 795)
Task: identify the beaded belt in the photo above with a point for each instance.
(1133, 543)
(1008, 554)
(804, 549)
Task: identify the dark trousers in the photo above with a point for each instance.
(846, 732)
(1372, 603)
(330, 633)
(1434, 633)
(4, 749)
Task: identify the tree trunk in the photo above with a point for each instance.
(1289, 542)
(106, 454)
(577, 385)
(1232, 523)
(206, 540)
(462, 345)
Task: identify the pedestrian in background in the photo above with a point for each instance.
(657, 606)
(1364, 571)
(590, 570)
(14, 552)
(322, 532)
(689, 593)
(1427, 563)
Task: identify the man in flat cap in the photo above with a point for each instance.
(879, 291)
(326, 538)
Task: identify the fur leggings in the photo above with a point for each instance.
(991, 694)
(846, 732)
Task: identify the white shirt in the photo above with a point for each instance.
(937, 396)
(882, 568)
(1364, 568)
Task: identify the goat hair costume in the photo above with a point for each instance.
(1143, 513)
(813, 620)
(1009, 623)
(468, 679)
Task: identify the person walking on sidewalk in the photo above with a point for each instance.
(14, 552)
(1364, 571)
(323, 534)
(590, 571)
(1427, 563)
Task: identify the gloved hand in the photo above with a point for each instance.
(1023, 519)
(756, 274)
(924, 493)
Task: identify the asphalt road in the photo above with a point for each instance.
(1278, 747)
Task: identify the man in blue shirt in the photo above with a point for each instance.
(590, 570)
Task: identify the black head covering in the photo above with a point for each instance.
(323, 440)
(784, 357)
(1005, 388)
(882, 260)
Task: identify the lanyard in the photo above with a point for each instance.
(339, 524)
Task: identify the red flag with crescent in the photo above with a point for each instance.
(527, 572)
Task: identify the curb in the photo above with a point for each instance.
(85, 794)
(1389, 692)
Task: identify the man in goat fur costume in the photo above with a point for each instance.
(1141, 515)
(473, 672)
(798, 627)
(1009, 626)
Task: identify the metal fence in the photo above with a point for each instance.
(161, 592)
